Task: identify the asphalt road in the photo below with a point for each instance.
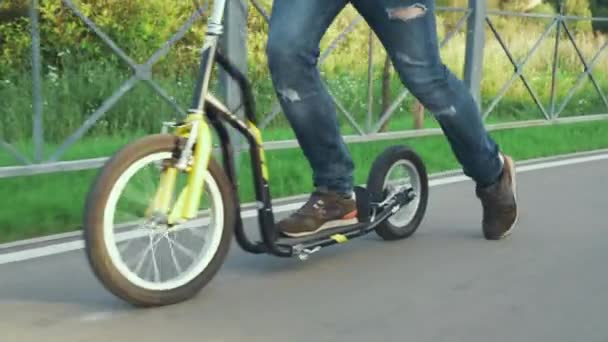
(548, 282)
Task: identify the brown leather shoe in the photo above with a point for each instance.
(323, 210)
(499, 202)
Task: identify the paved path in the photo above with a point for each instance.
(548, 282)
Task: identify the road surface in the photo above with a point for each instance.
(548, 282)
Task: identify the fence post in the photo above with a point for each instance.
(37, 129)
(473, 67)
(234, 43)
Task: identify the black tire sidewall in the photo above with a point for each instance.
(375, 183)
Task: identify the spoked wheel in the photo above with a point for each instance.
(139, 257)
(397, 169)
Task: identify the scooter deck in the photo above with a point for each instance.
(324, 234)
(303, 246)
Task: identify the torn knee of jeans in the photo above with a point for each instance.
(405, 58)
(406, 13)
(289, 94)
(450, 111)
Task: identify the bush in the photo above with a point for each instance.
(599, 8)
(544, 9)
(140, 27)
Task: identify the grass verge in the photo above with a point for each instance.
(47, 204)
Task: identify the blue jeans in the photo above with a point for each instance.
(407, 30)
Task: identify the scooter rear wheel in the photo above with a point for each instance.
(399, 166)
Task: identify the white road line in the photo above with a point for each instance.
(564, 162)
(39, 252)
(37, 240)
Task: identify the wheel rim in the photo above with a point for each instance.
(157, 238)
(403, 173)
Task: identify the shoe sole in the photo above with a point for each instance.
(325, 226)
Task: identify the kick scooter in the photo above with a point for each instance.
(166, 198)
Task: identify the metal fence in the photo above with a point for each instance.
(474, 21)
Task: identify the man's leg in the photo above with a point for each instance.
(296, 28)
(407, 29)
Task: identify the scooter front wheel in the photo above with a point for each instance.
(168, 263)
(399, 168)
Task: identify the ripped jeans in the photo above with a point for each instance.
(407, 30)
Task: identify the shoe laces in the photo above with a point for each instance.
(315, 204)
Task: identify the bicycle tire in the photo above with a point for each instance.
(95, 246)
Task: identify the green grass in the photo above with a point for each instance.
(45, 204)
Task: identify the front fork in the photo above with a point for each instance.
(194, 159)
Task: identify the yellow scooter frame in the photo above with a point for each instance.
(198, 140)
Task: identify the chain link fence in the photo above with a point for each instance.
(381, 115)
